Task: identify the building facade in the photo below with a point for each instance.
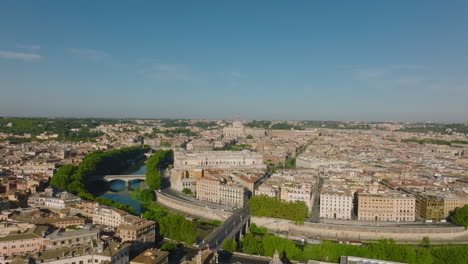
(336, 205)
(233, 195)
(109, 216)
(219, 160)
(139, 231)
(430, 207)
(208, 190)
(386, 207)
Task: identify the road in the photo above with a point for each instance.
(192, 200)
(216, 238)
(314, 215)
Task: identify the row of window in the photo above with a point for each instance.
(22, 246)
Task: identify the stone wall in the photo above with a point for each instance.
(192, 209)
(345, 232)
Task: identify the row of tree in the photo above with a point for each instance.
(265, 206)
(62, 127)
(459, 216)
(160, 160)
(437, 128)
(171, 225)
(74, 178)
(109, 202)
(434, 141)
(328, 251)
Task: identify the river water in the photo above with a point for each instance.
(119, 192)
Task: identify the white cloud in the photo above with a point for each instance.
(168, 71)
(28, 47)
(19, 56)
(370, 73)
(89, 53)
(233, 78)
(406, 66)
(235, 74)
(391, 75)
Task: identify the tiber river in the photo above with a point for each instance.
(118, 191)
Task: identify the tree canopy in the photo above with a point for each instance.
(329, 251)
(230, 245)
(265, 206)
(171, 225)
(460, 216)
(161, 159)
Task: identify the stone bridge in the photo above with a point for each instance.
(125, 178)
(233, 228)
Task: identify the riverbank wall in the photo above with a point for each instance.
(191, 209)
(410, 233)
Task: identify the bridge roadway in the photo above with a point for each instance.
(126, 178)
(232, 228)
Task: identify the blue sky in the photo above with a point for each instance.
(311, 60)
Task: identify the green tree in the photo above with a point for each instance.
(423, 256)
(249, 137)
(257, 230)
(426, 242)
(63, 176)
(161, 159)
(252, 245)
(170, 247)
(459, 216)
(178, 228)
(265, 206)
(284, 246)
(187, 191)
(230, 245)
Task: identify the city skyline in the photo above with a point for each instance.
(363, 61)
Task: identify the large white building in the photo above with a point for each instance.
(215, 190)
(336, 204)
(59, 200)
(235, 130)
(219, 160)
(109, 216)
(233, 195)
(314, 163)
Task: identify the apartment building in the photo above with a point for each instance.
(59, 238)
(233, 195)
(151, 256)
(336, 204)
(109, 216)
(430, 207)
(297, 192)
(208, 190)
(139, 231)
(27, 242)
(386, 207)
(451, 202)
(218, 190)
(112, 252)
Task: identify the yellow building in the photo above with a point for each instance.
(430, 207)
